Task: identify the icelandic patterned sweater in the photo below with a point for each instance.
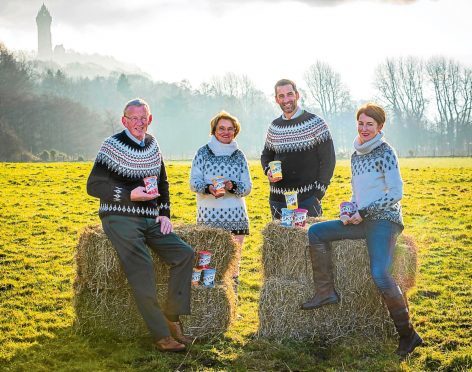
(120, 166)
(377, 186)
(305, 148)
(228, 212)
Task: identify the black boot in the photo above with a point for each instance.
(322, 265)
(398, 309)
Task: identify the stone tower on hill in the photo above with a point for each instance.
(43, 21)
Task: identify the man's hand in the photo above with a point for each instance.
(272, 179)
(166, 225)
(212, 190)
(139, 194)
(355, 219)
(229, 185)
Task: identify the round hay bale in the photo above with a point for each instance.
(115, 312)
(358, 313)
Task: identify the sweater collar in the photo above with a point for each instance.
(220, 149)
(134, 139)
(366, 147)
(297, 114)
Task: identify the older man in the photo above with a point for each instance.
(134, 219)
(302, 142)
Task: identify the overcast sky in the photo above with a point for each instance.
(266, 40)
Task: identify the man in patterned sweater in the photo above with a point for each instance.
(303, 143)
(133, 218)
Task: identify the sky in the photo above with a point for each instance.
(266, 40)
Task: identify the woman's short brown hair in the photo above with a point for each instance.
(225, 115)
(374, 111)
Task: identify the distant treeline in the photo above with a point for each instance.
(50, 116)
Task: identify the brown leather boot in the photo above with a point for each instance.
(176, 330)
(398, 309)
(168, 344)
(322, 266)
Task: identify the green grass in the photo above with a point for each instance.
(43, 207)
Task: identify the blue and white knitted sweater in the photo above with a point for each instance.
(377, 186)
(228, 212)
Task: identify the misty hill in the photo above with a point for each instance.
(80, 65)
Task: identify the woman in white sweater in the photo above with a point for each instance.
(377, 189)
(222, 157)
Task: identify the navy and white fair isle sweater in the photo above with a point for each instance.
(377, 185)
(120, 166)
(228, 212)
(304, 146)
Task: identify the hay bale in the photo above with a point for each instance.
(99, 268)
(103, 300)
(285, 256)
(280, 316)
(288, 282)
(115, 312)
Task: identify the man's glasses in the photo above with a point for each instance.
(134, 119)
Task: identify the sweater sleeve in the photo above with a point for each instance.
(327, 162)
(244, 185)
(197, 182)
(100, 184)
(393, 186)
(163, 200)
(266, 157)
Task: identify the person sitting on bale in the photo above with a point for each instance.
(377, 189)
(133, 217)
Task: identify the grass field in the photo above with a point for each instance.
(43, 208)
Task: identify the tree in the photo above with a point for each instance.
(328, 93)
(326, 89)
(453, 92)
(401, 84)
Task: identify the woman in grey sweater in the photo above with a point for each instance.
(377, 189)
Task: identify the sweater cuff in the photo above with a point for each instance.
(235, 187)
(207, 189)
(362, 213)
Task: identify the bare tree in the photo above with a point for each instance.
(327, 90)
(453, 92)
(329, 94)
(401, 84)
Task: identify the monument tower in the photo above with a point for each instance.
(43, 21)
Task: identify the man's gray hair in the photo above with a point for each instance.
(138, 102)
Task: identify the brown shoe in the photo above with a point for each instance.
(168, 344)
(177, 332)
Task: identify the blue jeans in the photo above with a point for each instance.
(311, 204)
(381, 236)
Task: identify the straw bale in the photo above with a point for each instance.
(280, 317)
(115, 312)
(103, 300)
(99, 268)
(285, 256)
(288, 283)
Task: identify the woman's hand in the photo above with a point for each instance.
(213, 192)
(229, 185)
(355, 219)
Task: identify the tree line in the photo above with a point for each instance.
(51, 116)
